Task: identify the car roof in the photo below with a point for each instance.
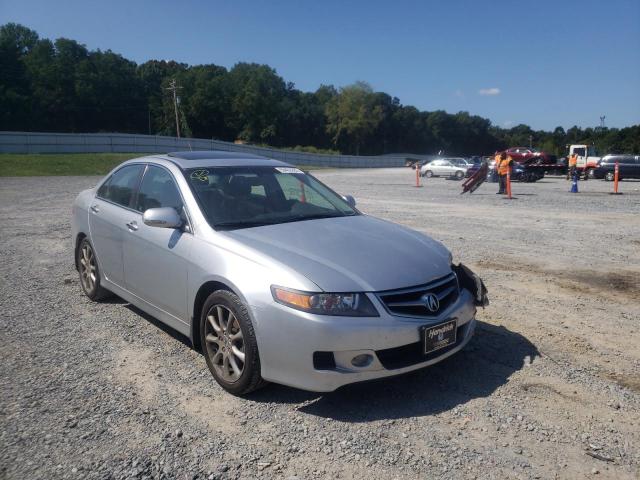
(219, 158)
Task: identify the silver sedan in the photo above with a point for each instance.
(445, 167)
(271, 274)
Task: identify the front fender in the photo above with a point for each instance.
(249, 278)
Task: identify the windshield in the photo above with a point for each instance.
(240, 197)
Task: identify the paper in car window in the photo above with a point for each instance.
(288, 170)
(200, 176)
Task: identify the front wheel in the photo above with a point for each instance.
(609, 177)
(229, 343)
(428, 174)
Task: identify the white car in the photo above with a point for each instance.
(443, 168)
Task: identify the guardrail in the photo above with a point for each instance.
(38, 142)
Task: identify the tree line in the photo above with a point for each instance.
(61, 86)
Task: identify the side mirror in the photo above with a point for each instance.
(350, 200)
(165, 217)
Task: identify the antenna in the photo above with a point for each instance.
(602, 121)
(173, 87)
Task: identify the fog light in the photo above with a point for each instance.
(363, 360)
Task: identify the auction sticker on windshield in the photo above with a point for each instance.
(439, 336)
(288, 170)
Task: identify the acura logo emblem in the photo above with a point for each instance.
(431, 302)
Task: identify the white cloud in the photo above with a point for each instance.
(489, 91)
(508, 123)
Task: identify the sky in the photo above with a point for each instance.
(543, 63)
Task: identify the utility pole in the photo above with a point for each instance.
(602, 122)
(174, 89)
(530, 141)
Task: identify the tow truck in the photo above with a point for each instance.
(588, 158)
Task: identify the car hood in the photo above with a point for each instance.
(358, 253)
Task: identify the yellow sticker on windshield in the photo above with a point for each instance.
(200, 176)
(288, 170)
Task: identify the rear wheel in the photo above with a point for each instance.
(89, 272)
(459, 175)
(229, 343)
(609, 177)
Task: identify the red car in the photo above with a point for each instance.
(525, 154)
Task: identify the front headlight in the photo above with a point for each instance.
(338, 304)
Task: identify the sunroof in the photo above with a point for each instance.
(210, 155)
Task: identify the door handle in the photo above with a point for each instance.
(133, 226)
(94, 208)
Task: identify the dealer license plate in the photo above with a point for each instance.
(439, 336)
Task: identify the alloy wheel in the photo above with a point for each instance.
(225, 343)
(88, 269)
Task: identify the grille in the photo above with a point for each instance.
(411, 354)
(408, 302)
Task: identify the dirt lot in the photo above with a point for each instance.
(548, 388)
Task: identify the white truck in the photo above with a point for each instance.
(587, 158)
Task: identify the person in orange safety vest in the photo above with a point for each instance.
(503, 164)
(573, 162)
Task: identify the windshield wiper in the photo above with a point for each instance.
(245, 224)
(301, 218)
(259, 223)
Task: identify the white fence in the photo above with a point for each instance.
(32, 142)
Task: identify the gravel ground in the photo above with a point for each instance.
(548, 388)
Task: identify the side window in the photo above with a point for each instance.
(158, 189)
(102, 191)
(119, 188)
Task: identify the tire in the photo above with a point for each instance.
(428, 174)
(226, 332)
(89, 272)
(459, 175)
(609, 177)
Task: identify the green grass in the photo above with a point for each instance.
(45, 164)
(28, 165)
